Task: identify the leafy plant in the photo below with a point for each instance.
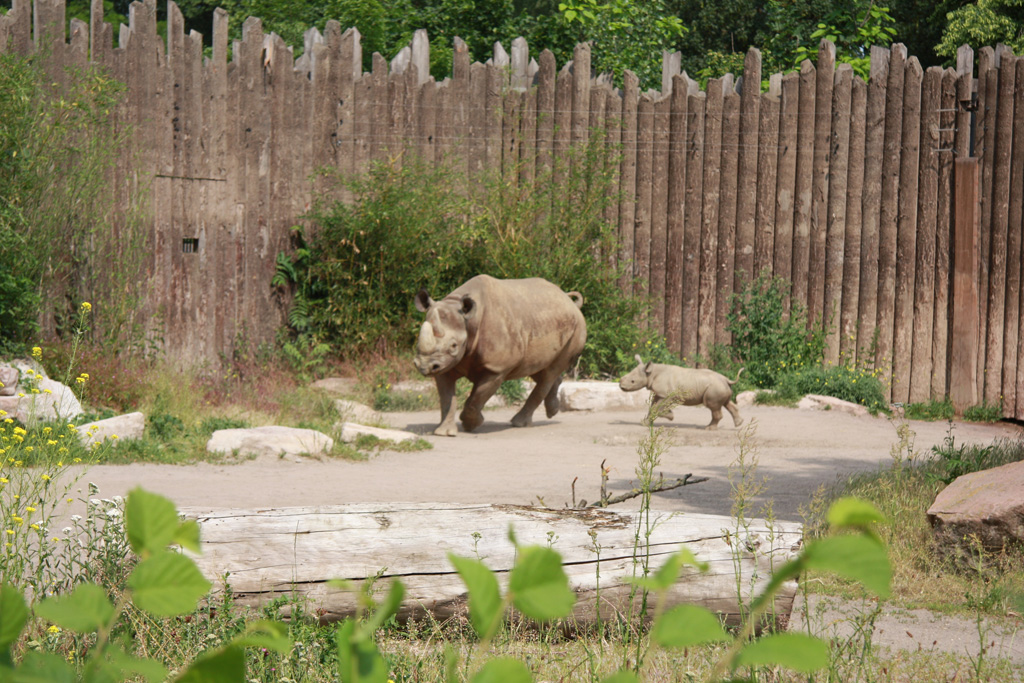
(930, 410)
(986, 412)
(849, 384)
(765, 340)
(164, 583)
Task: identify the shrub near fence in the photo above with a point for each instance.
(843, 187)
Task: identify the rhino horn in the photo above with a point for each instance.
(426, 340)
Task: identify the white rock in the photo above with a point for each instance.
(350, 431)
(270, 441)
(745, 399)
(594, 395)
(350, 411)
(819, 402)
(55, 401)
(9, 380)
(125, 427)
(336, 385)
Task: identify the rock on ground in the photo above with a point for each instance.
(350, 411)
(350, 431)
(336, 385)
(819, 402)
(121, 427)
(55, 401)
(986, 505)
(270, 441)
(584, 395)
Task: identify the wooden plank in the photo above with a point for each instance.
(528, 137)
(786, 184)
(676, 209)
(427, 124)
(580, 93)
(644, 171)
(963, 385)
(824, 77)
(613, 144)
(707, 244)
(1013, 398)
(659, 208)
(804, 178)
(984, 142)
(726, 260)
(477, 118)
(927, 203)
(693, 221)
(767, 170)
(889, 211)
(906, 235)
(493, 112)
(854, 224)
(944, 237)
(545, 113)
(874, 151)
(746, 195)
(835, 223)
(510, 119)
(563, 123)
(998, 240)
(414, 540)
(627, 178)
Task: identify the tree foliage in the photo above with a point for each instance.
(986, 22)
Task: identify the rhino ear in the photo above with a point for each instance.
(423, 301)
(647, 368)
(639, 360)
(468, 305)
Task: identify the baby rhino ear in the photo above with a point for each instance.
(423, 301)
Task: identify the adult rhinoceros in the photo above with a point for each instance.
(491, 330)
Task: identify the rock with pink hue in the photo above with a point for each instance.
(984, 507)
(126, 427)
(270, 442)
(819, 402)
(8, 380)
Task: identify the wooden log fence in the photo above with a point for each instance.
(851, 190)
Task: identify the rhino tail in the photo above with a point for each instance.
(733, 381)
(577, 298)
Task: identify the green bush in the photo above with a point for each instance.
(929, 410)
(765, 340)
(417, 226)
(849, 384)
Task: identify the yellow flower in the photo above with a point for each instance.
(86, 307)
(45, 477)
(113, 436)
(54, 629)
(10, 532)
(37, 352)
(17, 519)
(35, 526)
(47, 391)
(30, 509)
(4, 480)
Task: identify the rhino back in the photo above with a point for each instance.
(523, 325)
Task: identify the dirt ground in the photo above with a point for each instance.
(798, 451)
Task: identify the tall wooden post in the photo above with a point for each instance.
(963, 385)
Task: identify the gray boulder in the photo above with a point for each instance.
(270, 442)
(984, 507)
(124, 427)
(350, 411)
(9, 380)
(819, 402)
(350, 431)
(593, 395)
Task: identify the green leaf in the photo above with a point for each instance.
(223, 665)
(859, 557)
(687, 625)
(123, 663)
(13, 615)
(485, 605)
(503, 670)
(358, 658)
(539, 586)
(624, 676)
(167, 584)
(187, 535)
(272, 635)
(854, 513)
(43, 667)
(796, 651)
(151, 521)
(669, 572)
(388, 607)
(86, 609)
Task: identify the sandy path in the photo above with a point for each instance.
(798, 451)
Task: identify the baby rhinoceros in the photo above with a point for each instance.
(682, 386)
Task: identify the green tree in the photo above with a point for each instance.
(985, 22)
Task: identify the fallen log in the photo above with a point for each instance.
(274, 552)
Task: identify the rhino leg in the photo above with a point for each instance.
(551, 403)
(446, 394)
(546, 381)
(716, 417)
(658, 409)
(472, 413)
(736, 419)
